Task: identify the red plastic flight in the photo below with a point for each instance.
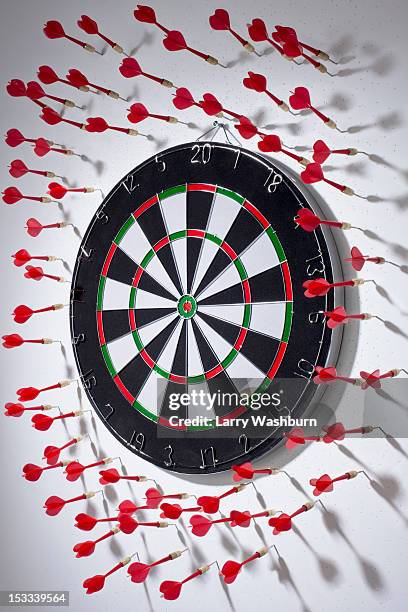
(358, 260)
(53, 29)
(329, 374)
(23, 313)
(90, 26)
(283, 522)
(79, 80)
(54, 504)
(138, 112)
(15, 340)
(37, 273)
(321, 151)
(52, 453)
(220, 20)
(130, 68)
(112, 476)
(154, 497)
(32, 472)
(12, 195)
(47, 75)
(339, 316)
(22, 257)
(300, 99)
(171, 589)
(29, 393)
(16, 410)
(320, 286)
(75, 469)
(57, 191)
(373, 379)
(296, 437)
(308, 221)
(51, 117)
(18, 169)
(324, 484)
(230, 570)
(313, 173)
(258, 83)
(42, 422)
(211, 503)
(34, 228)
(258, 32)
(246, 471)
(138, 572)
(99, 124)
(272, 144)
(96, 583)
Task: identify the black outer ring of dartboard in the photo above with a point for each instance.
(146, 438)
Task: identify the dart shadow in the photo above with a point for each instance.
(388, 122)
(285, 577)
(342, 49)
(99, 165)
(371, 572)
(242, 58)
(145, 41)
(197, 556)
(69, 370)
(328, 569)
(381, 67)
(66, 266)
(77, 232)
(159, 143)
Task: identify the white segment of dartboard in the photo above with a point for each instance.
(136, 246)
(194, 365)
(223, 213)
(180, 255)
(259, 256)
(144, 299)
(268, 318)
(208, 251)
(116, 295)
(165, 360)
(150, 392)
(174, 211)
(233, 313)
(227, 278)
(122, 351)
(220, 347)
(149, 332)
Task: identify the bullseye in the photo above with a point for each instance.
(187, 306)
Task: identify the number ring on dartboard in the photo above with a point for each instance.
(190, 274)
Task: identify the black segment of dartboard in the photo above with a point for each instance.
(278, 199)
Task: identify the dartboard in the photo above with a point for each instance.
(189, 279)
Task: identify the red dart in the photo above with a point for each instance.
(51, 117)
(358, 260)
(146, 14)
(337, 431)
(22, 257)
(15, 340)
(138, 572)
(18, 169)
(86, 522)
(29, 393)
(12, 195)
(14, 138)
(183, 99)
(287, 33)
(231, 569)
(23, 313)
(128, 507)
(90, 26)
(308, 221)
(171, 589)
(78, 79)
(52, 453)
(112, 476)
(297, 437)
(16, 410)
(36, 273)
(283, 522)
(32, 472)
(16, 88)
(87, 548)
(220, 20)
(245, 471)
(201, 524)
(54, 504)
(258, 83)
(42, 422)
(48, 76)
(34, 228)
(339, 316)
(373, 379)
(211, 503)
(53, 29)
(210, 105)
(272, 143)
(154, 498)
(74, 469)
(292, 48)
(258, 33)
(130, 68)
(313, 173)
(329, 374)
(138, 112)
(175, 41)
(128, 525)
(243, 519)
(321, 151)
(58, 191)
(246, 128)
(320, 286)
(300, 99)
(174, 511)
(324, 484)
(36, 92)
(96, 583)
(98, 124)
(42, 147)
